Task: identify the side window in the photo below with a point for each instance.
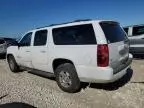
(74, 35)
(139, 30)
(40, 38)
(2, 41)
(126, 30)
(26, 40)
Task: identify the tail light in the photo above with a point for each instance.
(102, 55)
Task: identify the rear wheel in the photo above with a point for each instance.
(67, 78)
(12, 64)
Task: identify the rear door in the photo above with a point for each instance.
(40, 50)
(118, 43)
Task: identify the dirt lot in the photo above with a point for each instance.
(27, 90)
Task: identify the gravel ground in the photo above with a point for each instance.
(42, 92)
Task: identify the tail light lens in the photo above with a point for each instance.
(102, 55)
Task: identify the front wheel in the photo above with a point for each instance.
(12, 64)
(67, 78)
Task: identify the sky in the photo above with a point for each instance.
(19, 16)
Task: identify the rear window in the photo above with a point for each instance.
(113, 32)
(74, 35)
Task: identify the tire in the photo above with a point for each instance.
(12, 64)
(72, 82)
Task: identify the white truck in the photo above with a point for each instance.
(74, 52)
(136, 36)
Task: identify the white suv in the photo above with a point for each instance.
(82, 51)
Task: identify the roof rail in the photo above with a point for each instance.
(79, 20)
(82, 20)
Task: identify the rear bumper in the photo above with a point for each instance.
(102, 74)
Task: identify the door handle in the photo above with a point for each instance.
(42, 51)
(19, 57)
(27, 51)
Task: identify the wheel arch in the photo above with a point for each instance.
(10, 54)
(58, 61)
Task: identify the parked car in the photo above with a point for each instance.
(136, 37)
(75, 52)
(5, 43)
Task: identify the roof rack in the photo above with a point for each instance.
(79, 20)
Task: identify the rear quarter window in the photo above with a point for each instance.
(113, 32)
(74, 35)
